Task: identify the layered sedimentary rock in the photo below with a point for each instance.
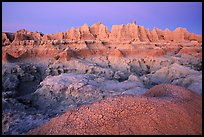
(124, 33)
(72, 34)
(23, 34)
(119, 33)
(46, 75)
(59, 36)
(100, 31)
(85, 33)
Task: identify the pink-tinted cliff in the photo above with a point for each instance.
(119, 33)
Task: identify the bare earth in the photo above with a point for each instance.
(164, 109)
(90, 80)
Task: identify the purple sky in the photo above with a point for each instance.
(52, 17)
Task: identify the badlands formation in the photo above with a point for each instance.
(90, 80)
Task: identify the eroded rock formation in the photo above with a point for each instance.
(46, 75)
(119, 33)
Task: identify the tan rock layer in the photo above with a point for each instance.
(73, 49)
(119, 33)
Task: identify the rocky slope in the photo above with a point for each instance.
(48, 75)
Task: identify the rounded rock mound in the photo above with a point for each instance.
(139, 115)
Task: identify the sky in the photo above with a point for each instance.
(52, 17)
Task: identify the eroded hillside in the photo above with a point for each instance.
(46, 75)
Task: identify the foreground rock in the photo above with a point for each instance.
(60, 93)
(164, 109)
(179, 75)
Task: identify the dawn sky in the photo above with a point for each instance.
(52, 17)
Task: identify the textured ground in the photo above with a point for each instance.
(46, 75)
(164, 109)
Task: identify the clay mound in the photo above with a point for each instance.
(149, 114)
(116, 53)
(154, 53)
(170, 92)
(192, 51)
(157, 52)
(85, 52)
